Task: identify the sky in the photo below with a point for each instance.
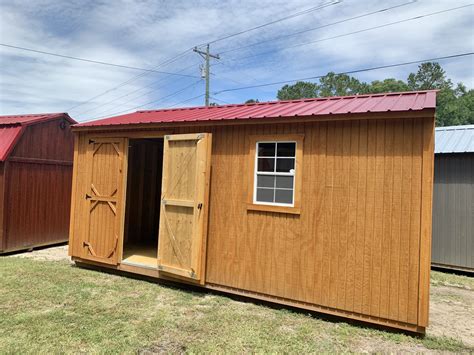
(146, 33)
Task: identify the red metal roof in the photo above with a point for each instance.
(32, 118)
(8, 137)
(386, 102)
(12, 126)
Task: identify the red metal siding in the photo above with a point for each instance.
(389, 102)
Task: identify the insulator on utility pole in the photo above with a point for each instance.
(205, 70)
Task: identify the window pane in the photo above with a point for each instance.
(284, 196)
(265, 195)
(285, 182)
(285, 165)
(266, 164)
(266, 149)
(286, 149)
(265, 181)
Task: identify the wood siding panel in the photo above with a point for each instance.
(38, 182)
(356, 247)
(2, 202)
(39, 201)
(43, 140)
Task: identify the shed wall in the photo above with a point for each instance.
(453, 211)
(356, 244)
(361, 244)
(39, 180)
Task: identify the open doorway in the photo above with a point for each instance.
(142, 213)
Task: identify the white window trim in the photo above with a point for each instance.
(256, 173)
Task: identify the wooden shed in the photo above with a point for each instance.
(322, 204)
(453, 201)
(36, 153)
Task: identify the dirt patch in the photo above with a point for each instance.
(57, 253)
(451, 313)
(381, 346)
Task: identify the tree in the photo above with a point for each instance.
(300, 90)
(333, 84)
(252, 101)
(388, 85)
(429, 76)
(454, 106)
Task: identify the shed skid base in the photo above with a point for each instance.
(132, 269)
(452, 267)
(33, 247)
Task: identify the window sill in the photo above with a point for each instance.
(270, 208)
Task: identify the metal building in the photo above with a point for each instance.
(453, 200)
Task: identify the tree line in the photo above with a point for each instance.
(454, 104)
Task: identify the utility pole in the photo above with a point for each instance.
(206, 55)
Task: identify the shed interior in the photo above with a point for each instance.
(142, 213)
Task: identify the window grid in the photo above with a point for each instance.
(274, 173)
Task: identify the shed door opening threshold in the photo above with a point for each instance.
(142, 211)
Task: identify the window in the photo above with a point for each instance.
(275, 173)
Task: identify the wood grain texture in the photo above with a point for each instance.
(184, 201)
(354, 245)
(364, 222)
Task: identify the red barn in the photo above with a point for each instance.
(36, 153)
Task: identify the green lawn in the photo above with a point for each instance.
(48, 306)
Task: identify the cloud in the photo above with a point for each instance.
(145, 33)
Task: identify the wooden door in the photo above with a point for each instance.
(184, 205)
(104, 199)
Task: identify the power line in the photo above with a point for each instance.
(190, 49)
(224, 102)
(300, 13)
(352, 33)
(346, 72)
(319, 27)
(95, 61)
(132, 92)
(166, 62)
(149, 103)
(187, 100)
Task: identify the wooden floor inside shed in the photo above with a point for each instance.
(140, 255)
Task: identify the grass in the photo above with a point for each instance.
(53, 307)
(450, 279)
